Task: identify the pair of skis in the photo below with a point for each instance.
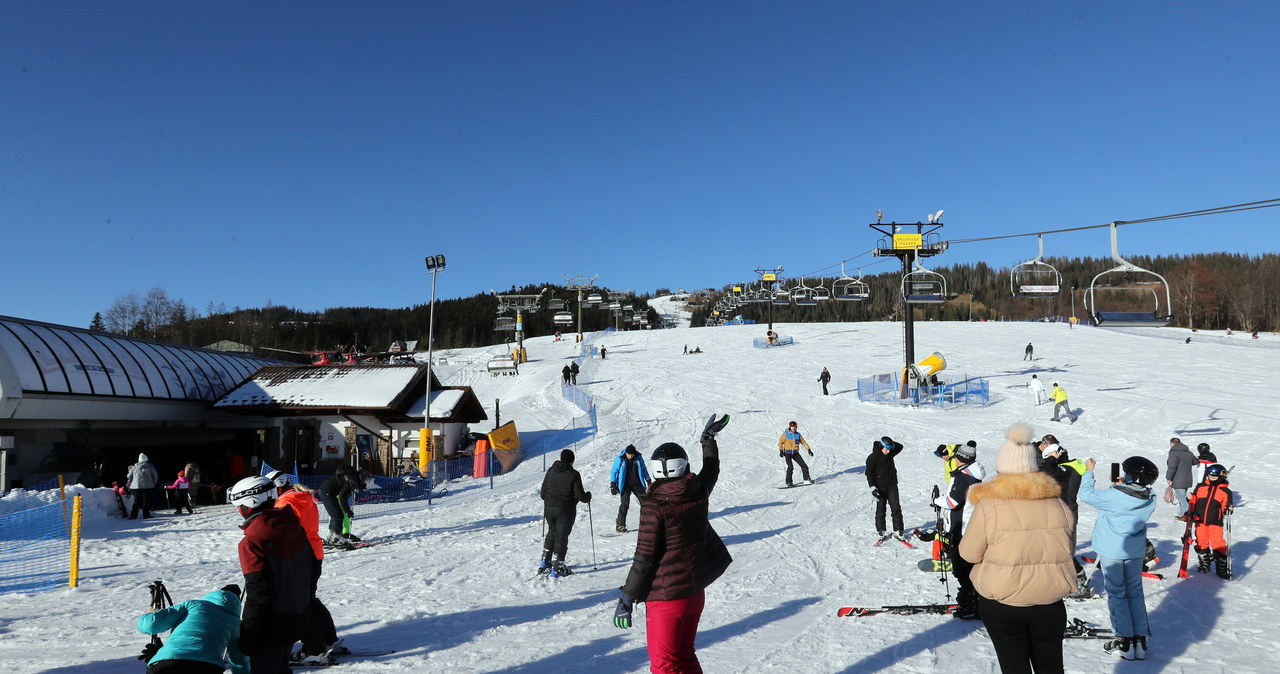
(890, 537)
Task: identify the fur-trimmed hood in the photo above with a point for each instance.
(1016, 487)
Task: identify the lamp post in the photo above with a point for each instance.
(435, 264)
(1071, 319)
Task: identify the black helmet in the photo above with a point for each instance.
(1203, 448)
(1216, 469)
(1140, 470)
(669, 460)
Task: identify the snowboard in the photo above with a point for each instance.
(935, 565)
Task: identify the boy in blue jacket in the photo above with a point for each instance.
(202, 630)
(628, 477)
(1120, 539)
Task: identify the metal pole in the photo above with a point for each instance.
(426, 409)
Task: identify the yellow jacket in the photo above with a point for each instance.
(792, 445)
(1058, 394)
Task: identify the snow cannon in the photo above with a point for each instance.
(929, 367)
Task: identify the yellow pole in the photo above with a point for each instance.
(75, 540)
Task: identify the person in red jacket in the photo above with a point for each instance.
(1210, 503)
(320, 640)
(678, 554)
(278, 568)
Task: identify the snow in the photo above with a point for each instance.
(452, 590)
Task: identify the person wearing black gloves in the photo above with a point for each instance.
(628, 477)
(678, 553)
(335, 494)
(882, 476)
(789, 444)
(561, 492)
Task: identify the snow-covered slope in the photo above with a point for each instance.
(453, 590)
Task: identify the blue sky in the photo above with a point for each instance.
(311, 154)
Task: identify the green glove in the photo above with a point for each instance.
(622, 613)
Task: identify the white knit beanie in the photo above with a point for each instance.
(1016, 454)
(142, 458)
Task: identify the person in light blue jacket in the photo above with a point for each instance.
(628, 477)
(1120, 539)
(203, 629)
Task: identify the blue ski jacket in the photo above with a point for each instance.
(1121, 529)
(618, 475)
(202, 630)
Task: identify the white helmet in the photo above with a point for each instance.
(669, 460)
(279, 478)
(252, 492)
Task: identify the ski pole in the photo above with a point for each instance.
(591, 525)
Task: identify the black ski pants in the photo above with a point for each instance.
(889, 498)
(141, 501)
(334, 509)
(1026, 638)
(626, 494)
(321, 632)
(184, 667)
(559, 525)
(960, 568)
(795, 456)
(181, 500)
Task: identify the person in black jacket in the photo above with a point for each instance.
(335, 494)
(882, 476)
(561, 492)
(1067, 472)
(967, 473)
(573, 372)
(565, 373)
(678, 553)
(824, 379)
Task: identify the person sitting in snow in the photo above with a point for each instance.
(202, 631)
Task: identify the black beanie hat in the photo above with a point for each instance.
(631, 449)
(232, 588)
(566, 455)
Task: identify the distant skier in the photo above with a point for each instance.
(603, 352)
(967, 473)
(561, 492)
(882, 476)
(202, 630)
(1180, 471)
(824, 379)
(1026, 355)
(336, 494)
(181, 490)
(1059, 396)
(1119, 537)
(678, 554)
(1037, 389)
(565, 373)
(628, 477)
(142, 478)
(1211, 502)
(789, 444)
(573, 373)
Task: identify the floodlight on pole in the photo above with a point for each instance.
(435, 265)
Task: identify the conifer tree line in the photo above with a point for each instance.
(1210, 291)
(460, 322)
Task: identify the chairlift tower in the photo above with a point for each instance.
(521, 303)
(581, 284)
(909, 246)
(770, 276)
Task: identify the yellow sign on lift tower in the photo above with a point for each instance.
(908, 241)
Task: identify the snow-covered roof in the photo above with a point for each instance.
(327, 386)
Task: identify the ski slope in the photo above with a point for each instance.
(453, 588)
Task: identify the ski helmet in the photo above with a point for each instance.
(1140, 470)
(252, 492)
(279, 478)
(1216, 469)
(1203, 448)
(669, 460)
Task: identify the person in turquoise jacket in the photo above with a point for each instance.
(1120, 539)
(203, 629)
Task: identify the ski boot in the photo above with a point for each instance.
(322, 659)
(352, 537)
(968, 602)
(1122, 646)
(1203, 557)
(544, 567)
(559, 570)
(336, 541)
(336, 648)
(1221, 564)
(621, 528)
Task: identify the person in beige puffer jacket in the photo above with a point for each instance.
(1019, 540)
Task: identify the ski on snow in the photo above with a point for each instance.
(904, 609)
(358, 655)
(890, 537)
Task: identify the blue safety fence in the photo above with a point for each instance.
(945, 393)
(51, 483)
(35, 547)
(1243, 339)
(765, 343)
(383, 495)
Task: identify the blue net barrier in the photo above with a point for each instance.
(764, 343)
(965, 391)
(35, 548)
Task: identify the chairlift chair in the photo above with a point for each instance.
(781, 297)
(923, 286)
(504, 324)
(594, 298)
(821, 293)
(802, 295)
(563, 318)
(555, 304)
(1035, 278)
(850, 289)
(1139, 283)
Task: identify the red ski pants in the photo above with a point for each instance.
(672, 626)
(1210, 536)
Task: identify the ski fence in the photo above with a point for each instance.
(40, 538)
(949, 392)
